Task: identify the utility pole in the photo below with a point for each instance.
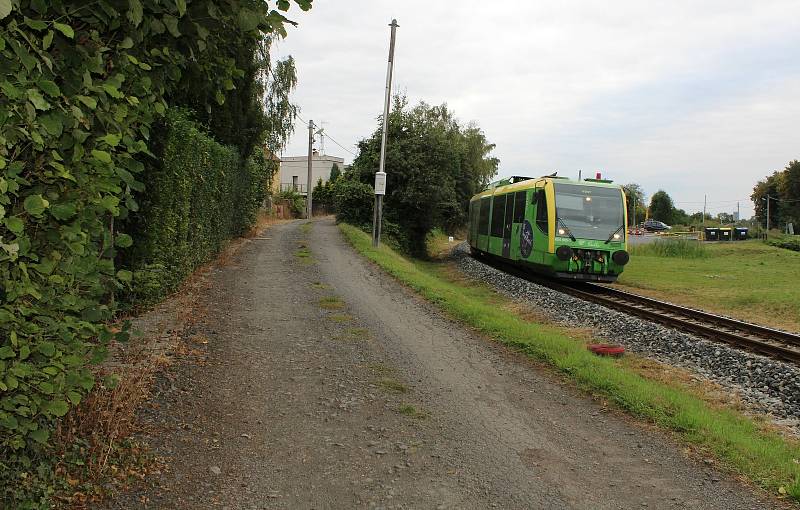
(738, 213)
(705, 200)
(634, 212)
(380, 176)
(310, 154)
(766, 232)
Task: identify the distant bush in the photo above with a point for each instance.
(353, 201)
(678, 248)
(788, 242)
(297, 202)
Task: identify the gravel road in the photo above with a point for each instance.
(375, 400)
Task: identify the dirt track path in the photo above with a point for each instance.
(385, 403)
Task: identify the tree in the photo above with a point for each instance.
(433, 166)
(789, 192)
(635, 197)
(768, 187)
(661, 208)
(335, 173)
(84, 85)
(680, 217)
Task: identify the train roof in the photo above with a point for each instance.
(522, 183)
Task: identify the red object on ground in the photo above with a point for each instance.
(606, 349)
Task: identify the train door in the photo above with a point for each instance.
(496, 228)
(473, 225)
(484, 214)
(507, 223)
(540, 236)
(520, 203)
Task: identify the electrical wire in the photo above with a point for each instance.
(329, 137)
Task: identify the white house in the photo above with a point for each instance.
(294, 171)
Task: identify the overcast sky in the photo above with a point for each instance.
(691, 97)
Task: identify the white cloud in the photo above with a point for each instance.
(688, 96)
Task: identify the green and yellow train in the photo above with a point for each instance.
(562, 228)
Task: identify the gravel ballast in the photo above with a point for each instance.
(765, 385)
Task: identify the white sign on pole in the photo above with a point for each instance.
(380, 183)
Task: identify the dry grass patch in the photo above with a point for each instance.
(380, 369)
(412, 411)
(393, 386)
(354, 335)
(340, 317)
(331, 303)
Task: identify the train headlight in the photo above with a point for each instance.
(564, 253)
(620, 257)
(562, 232)
(617, 236)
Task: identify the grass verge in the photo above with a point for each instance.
(740, 443)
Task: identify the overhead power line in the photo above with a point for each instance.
(328, 135)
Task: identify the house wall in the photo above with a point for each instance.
(297, 167)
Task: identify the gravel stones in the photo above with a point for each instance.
(766, 385)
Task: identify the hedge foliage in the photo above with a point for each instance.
(81, 86)
(200, 194)
(353, 200)
(786, 242)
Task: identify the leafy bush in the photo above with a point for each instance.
(353, 200)
(80, 91)
(433, 164)
(201, 194)
(787, 242)
(297, 202)
(680, 248)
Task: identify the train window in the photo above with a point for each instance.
(498, 213)
(483, 221)
(541, 211)
(519, 207)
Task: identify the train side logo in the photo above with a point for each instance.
(526, 239)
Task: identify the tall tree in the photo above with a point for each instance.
(789, 191)
(433, 166)
(635, 197)
(335, 173)
(661, 207)
(768, 187)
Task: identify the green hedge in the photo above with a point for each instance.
(199, 195)
(788, 243)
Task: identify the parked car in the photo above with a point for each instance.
(655, 226)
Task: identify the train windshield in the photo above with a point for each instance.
(589, 212)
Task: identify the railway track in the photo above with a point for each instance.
(760, 339)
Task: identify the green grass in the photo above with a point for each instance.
(331, 303)
(393, 386)
(340, 317)
(306, 227)
(304, 254)
(749, 280)
(739, 442)
(354, 335)
(678, 248)
(412, 412)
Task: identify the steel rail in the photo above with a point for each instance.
(760, 339)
